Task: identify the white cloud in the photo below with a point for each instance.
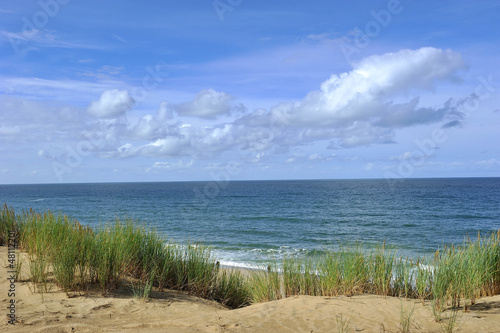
(170, 146)
(320, 157)
(149, 127)
(125, 148)
(368, 90)
(258, 157)
(112, 103)
(315, 156)
(352, 109)
(206, 104)
(356, 108)
(106, 135)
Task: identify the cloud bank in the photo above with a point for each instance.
(364, 106)
(350, 109)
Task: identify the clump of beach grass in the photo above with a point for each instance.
(39, 239)
(355, 271)
(265, 284)
(342, 324)
(143, 287)
(299, 277)
(75, 257)
(464, 273)
(8, 226)
(231, 289)
(423, 281)
(457, 276)
(330, 274)
(381, 270)
(406, 317)
(451, 322)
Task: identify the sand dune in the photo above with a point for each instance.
(172, 311)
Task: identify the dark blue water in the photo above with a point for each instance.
(249, 222)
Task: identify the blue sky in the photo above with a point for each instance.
(103, 91)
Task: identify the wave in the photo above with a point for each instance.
(240, 265)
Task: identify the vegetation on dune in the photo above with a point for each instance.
(74, 257)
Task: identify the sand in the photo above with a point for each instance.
(173, 311)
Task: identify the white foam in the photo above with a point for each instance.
(234, 264)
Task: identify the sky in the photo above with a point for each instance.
(129, 91)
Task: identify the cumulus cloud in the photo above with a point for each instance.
(367, 90)
(149, 127)
(207, 104)
(112, 103)
(364, 106)
(359, 107)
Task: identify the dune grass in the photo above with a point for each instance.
(342, 324)
(265, 285)
(456, 277)
(76, 258)
(8, 226)
(406, 317)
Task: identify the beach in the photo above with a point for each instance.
(173, 311)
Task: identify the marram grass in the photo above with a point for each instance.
(63, 252)
(75, 258)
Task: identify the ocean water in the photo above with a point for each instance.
(256, 222)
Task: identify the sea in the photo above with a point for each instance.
(255, 223)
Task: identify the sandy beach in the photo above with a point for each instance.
(173, 311)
